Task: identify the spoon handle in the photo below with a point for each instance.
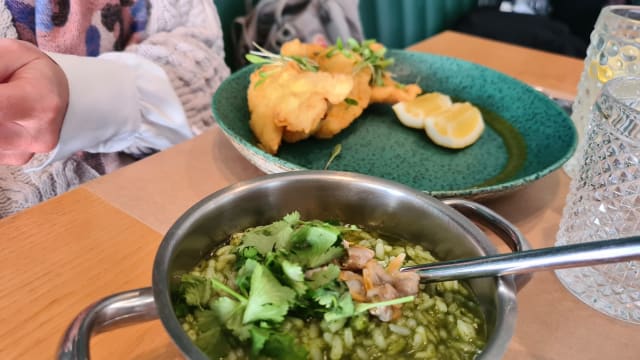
(558, 257)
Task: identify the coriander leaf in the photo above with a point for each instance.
(343, 309)
(248, 253)
(292, 218)
(218, 285)
(179, 303)
(259, 337)
(315, 259)
(263, 238)
(293, 271)
(206, 319)
(243, 278)
(298, 239)
(195, 289)
(210, 340)
(230, 313)
(312, 244)
(284, 242)
(224, 307)
(326, 297)
(294, 276)
(284, 347)
(268, 299)
(322, 236)
(323, 276)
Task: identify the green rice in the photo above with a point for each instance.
(444, 321)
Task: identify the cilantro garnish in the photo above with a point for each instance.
(268, 299)
(287, 268)
(323, 276)
(263, 238)
(196, 289)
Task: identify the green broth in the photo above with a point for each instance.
(443, 322)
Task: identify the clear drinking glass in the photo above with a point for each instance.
(604, 201)
(614, 50)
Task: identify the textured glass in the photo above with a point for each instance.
(614, 51)
(604, 201)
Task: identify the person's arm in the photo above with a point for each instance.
(155, 94)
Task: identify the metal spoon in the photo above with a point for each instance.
(559, 257)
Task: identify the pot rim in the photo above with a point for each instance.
(505, 286)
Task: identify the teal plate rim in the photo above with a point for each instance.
(272, 163)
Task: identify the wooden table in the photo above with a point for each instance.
(101, 238)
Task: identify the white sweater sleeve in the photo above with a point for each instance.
(153, 95)
(117, 101)
(185, 39)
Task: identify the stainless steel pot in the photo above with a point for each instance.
(376, 204)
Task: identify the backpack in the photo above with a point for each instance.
(271, 23)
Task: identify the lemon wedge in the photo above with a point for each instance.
(414, 112)
(456, 127)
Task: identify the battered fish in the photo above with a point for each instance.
(283, 97)
(392, 92)
(340, 116)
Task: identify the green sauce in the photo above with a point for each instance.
(514, 143)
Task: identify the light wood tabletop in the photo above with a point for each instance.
(62, 255)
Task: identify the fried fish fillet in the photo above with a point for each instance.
(283, 97)
(290, 103)
(392, 92)
(340, 116)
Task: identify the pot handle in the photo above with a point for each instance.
(500, 226)
(125, 308)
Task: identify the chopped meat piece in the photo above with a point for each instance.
(355, 285)
(406, 283)
(357, 257)
(374, 275)
(392, 92)
(377, 284)
(395, 264)
(383, 293)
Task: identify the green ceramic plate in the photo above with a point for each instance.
(527, 136)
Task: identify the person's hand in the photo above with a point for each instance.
(34, 95)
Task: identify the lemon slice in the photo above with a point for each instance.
(414, 112)
(456, 127)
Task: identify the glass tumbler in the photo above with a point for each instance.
(614, 50)
(604, 201)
